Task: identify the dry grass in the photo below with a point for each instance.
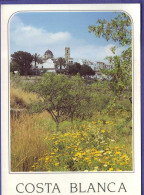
(20, 98)
(27, 135)
(27, 131)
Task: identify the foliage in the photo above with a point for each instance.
(81, 99)
(118, 30)
(86, 70)
(61, 97)
(83, 70)
(23, 61)
(102, 95)
(54, 90)
(73, 69)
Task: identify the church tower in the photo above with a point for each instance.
(67, 53)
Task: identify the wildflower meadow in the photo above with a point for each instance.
(98, 140)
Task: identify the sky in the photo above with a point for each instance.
(36, 32)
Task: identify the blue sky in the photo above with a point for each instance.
(35, 32)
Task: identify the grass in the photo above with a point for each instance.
(27, 134)
(20, 98)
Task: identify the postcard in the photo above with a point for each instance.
(71, 110)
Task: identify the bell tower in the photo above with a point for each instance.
(67, 53)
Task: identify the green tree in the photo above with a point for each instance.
(118, 30)
(60, 62)
(62, 97)
(23, 60)
(56, 96)
(83, 70)
(86, 70)
(73, 69)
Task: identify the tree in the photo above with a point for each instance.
(83, 70)
(73, 69)
(86, 70)
(55, 97)
(118, 30)
(62, 97)
(60, 62)
(37, 58)
(23, 60)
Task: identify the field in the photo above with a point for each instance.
(102, 142)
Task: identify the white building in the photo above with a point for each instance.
(47, 64)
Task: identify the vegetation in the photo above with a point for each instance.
(118, 30)
(22, 62)
(83, 70)
(90, 146)
(95, 139)
(62, 97)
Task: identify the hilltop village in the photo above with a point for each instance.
(26, 64)
(48, 63)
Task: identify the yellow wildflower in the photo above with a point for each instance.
(102, 130)
(110, 169)
(119, 170)
(56, 164)
(118, 153)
